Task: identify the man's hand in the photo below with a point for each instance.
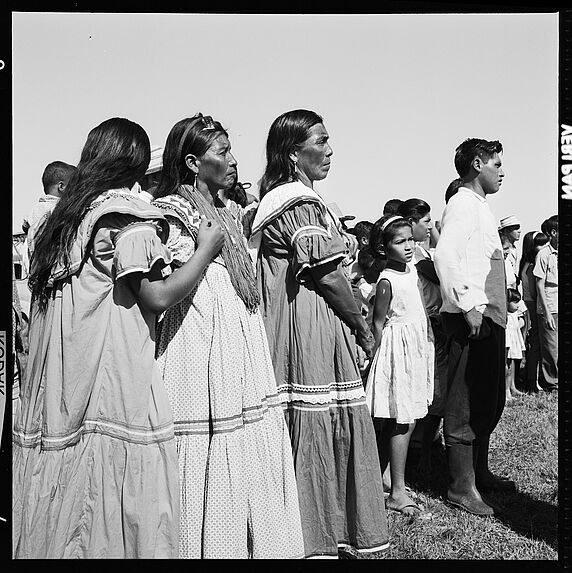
(474, 319)
(549, 321)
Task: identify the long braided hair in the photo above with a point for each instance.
(194, 136)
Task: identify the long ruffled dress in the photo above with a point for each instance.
(314, 357)
(400, 380)
(94, 455)
(238, 489)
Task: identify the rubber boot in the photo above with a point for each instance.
(484, 478)
(462, 491)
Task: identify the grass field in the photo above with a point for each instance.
(524, 448)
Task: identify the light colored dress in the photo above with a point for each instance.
(238, 489)
(313, 352)
(400, 380)
(514, 339)
(94, 455)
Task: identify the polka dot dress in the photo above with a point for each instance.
(238, 489)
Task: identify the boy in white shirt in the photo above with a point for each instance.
(546, 273)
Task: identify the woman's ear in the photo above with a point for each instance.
(191, 162)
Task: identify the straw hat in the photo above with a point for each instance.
(510, 221)
(156, 163)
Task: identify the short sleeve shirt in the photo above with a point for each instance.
(546, 267)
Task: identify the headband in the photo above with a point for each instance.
(208, 124)
(535, 234)
(390, 220)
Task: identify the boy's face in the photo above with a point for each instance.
(554, 238)
(491, 174)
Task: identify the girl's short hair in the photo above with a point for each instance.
(384, 230)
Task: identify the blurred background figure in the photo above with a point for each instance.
(54, 180)
(532, 242)
(546, 273)
(151, 178)
(391, 207)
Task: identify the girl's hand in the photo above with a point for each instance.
(210, 237)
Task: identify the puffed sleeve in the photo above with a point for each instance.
(313, 238)
(181, 243)
(138, 247)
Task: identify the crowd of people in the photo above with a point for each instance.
(212, 373)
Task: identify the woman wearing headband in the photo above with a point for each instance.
(238, 490)
(312, 323)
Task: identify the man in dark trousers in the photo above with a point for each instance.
(470, 265)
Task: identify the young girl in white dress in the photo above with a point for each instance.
(515, 345)
(400, 381)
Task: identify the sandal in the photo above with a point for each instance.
(402, 508)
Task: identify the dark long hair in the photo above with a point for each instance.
(530, 243)
(192, 135)
(286, 133)
(115, 155)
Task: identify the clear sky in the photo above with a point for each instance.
(398, 93)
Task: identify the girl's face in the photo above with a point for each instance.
(512, 306)
(401, 246)
(422, 229)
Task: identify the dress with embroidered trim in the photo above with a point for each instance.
(94, 453)
(314, 356)
(400, 380)
(238, 488)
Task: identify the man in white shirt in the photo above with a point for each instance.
(54, 180)
(546, 273)
(470, 265)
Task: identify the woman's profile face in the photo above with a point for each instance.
(217, 167)
(422, 229)
(313, 155)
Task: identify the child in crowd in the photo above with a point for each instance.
(533, 241)
(426, 433)
(363, 288)
(400, 381)
(514, 341)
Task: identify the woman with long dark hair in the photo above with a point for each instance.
(95, 461)
(238, 489)
(312, 323)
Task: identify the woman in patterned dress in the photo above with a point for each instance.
(94, 454)
(238, 489)
(312, 323)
